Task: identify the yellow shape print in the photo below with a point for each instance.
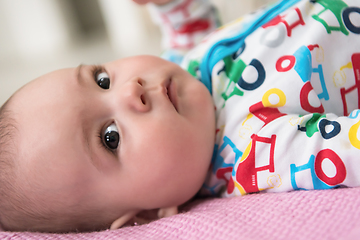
(296, 121)
(245, 131)
(339, 77)
(274, 181)
(280, 94)
(250, 115)
(240, 188)
(349, 65)
(246, 152)
(353, 135)
(319, 54)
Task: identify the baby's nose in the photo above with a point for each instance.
(133, 95)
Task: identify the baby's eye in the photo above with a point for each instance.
(103, 80)
(111, 137)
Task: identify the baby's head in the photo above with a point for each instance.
(84, 146)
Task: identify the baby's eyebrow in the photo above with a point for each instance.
(78, 73)
(85, 136)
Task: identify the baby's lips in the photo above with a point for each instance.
(172, 94)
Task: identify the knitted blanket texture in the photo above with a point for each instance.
(323, 214)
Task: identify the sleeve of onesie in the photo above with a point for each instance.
(183, 23)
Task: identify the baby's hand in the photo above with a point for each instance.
(159, 2)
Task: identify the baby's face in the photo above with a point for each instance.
(132, 134)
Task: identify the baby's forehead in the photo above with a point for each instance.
(43, 86)
(40, 105)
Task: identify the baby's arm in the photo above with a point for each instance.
(183, 23)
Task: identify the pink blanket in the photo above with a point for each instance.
(325, 214)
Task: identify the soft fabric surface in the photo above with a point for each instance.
(324, 214)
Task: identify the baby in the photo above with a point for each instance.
(91, 147)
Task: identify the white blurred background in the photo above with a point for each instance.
(39, 36)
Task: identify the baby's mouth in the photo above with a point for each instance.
(172, 93)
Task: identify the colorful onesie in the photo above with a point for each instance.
(286, 86)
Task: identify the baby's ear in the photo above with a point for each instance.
(118, 223)
(167, 212)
